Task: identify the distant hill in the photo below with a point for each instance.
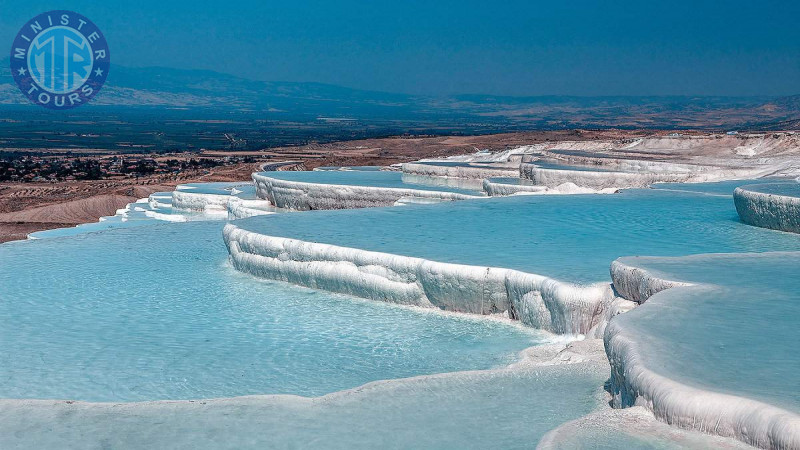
(791, 103)
(207, 90)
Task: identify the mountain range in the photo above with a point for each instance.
(160, 87)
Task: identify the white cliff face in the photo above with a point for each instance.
(485, 156)
(768, 210)
(637, 176)
(700, 149)
(303, 196)
(474, 172)
(596, 180)
(193, 201)
(535, 300)
(239, 208)
(603, 162)
(637, 284)
(160, 200)
(750, 421)
(495, 189)
(467, 184)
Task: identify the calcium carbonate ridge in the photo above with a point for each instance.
(774, 211)
(634, 384)
(535, 300)
(302, 196)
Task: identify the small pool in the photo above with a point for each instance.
(735, 333)
(154, 313)
(351, 168)
(724, 188)
(788, 188)
(456, 163)
(497, 409)
(218, 188)
(385, 179)
(511, 180)
(561, 165)
(570, 238)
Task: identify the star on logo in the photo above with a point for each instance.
(22, 72)
(98, 72)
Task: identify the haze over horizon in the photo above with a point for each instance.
(582, 48)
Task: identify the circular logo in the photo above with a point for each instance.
(60, 59)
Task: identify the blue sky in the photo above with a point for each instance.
(434, 47)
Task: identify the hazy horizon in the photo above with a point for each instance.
(450, 48)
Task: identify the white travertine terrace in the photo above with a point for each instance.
(761, 209)
(473, 184)
(535, 300)
(475, 172)
(239, 208)
(193, 201)
(633, 383)
(623, 428)
(620, 164)
(302, 196)
(637, 284)
(279, 421)
(495, 189)
(160, 200)
(598, 180)
(214, 204)
(626, 173)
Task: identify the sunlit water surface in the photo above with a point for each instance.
(155, 312)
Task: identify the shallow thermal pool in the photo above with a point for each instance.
(135, 215)
(374, 178)
(563, 165)
(720, 188)
(218, 188)
(499, 409)
(788, 188)
(511, 180)
(571, 238)
(156, 312)
(443, 163)
(736, 333)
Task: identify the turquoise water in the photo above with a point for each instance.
(561, 165)
(572, 238)
(106, 224)
(631, 429)
(351, 168)
(454, 163)
(247, 192)
(543, 163)
(156, 313)
(588, 154)
(387, 179)
(507, 410)
(511, 180)
(737, 336)
(136, 216)
(219, 188)
(725, 188)
(130, 219)
(790, 188)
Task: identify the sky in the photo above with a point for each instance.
(442, 47)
